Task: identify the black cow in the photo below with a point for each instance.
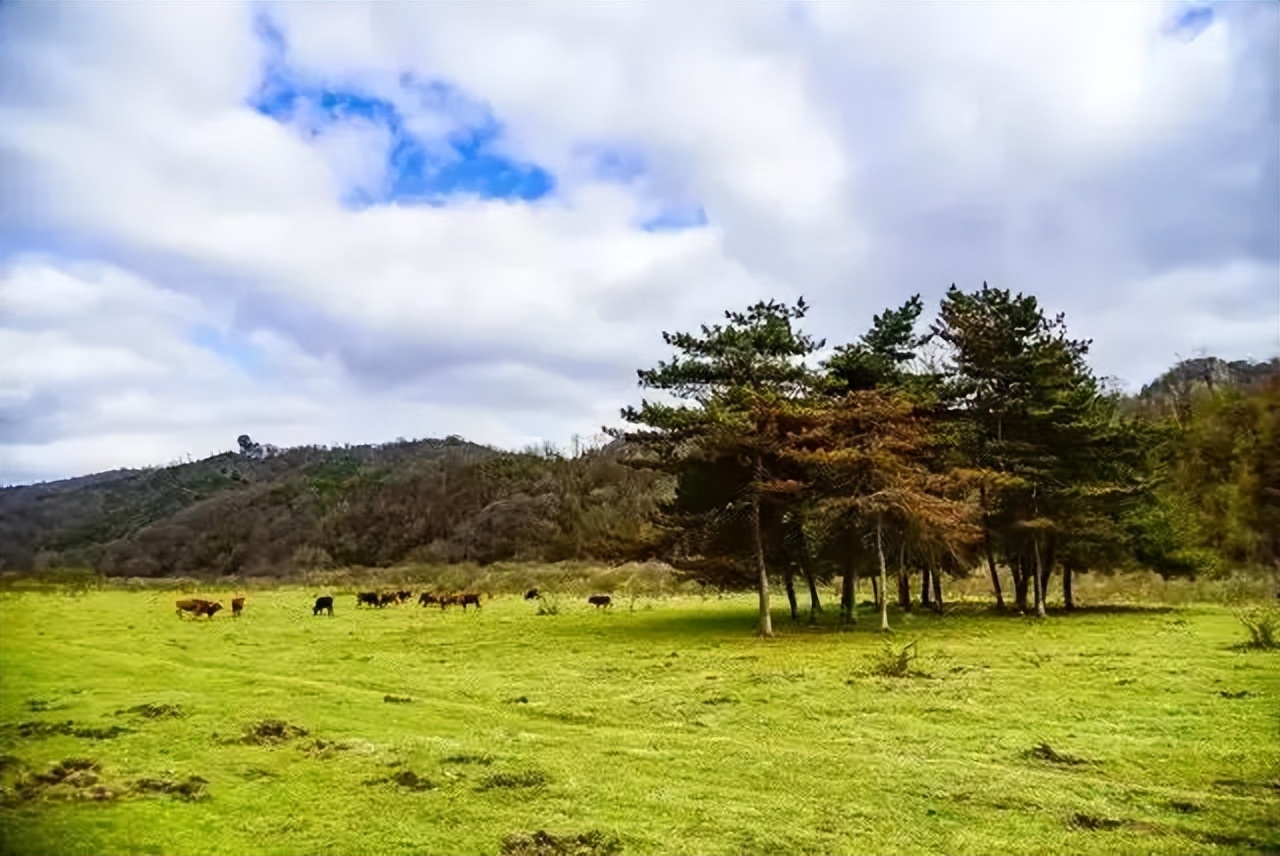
(427, 598)
(599, 600)
(388, 597)
(404, 596)
(532, 594)
(323, 604)
(369, 597)
(469, 597)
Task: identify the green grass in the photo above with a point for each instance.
(667, 728)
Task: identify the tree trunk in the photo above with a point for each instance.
(1038, 573)
(904, 578)
(1050, 559)
(875, 590)
(884, 581)
(853, 601)
(766, 622)
(789, 581)
(987, 549)
(815, 605)
(925, 588)
(1067, 598)
(848, 592)
(991, 566)
(937, 591)
(1019, 583)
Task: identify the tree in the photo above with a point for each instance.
(879, 356)
(728, 377)
(868, 459)
(1027, 404)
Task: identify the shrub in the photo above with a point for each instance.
(891, 663)
(1263, 624)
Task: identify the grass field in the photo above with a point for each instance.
(663, 728)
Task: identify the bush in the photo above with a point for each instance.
(1263, 624)
(893, 663)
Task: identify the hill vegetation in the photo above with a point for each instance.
(983, 442)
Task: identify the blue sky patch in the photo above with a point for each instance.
(466, 160)
(1190, 21)
(618, 163)
(676, 218)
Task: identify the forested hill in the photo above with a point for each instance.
(261, 510)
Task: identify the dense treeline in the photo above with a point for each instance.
(979, 443)
(997, 447)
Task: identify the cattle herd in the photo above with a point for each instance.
(197, 607)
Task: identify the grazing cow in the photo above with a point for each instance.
(469, 597)
(367, 597)
(237, 606)
(532, 594)
(449, 600)
(426, 598)
(404, 596)
(599, 600)
(198, 607)
(323, 604)
(388, 597)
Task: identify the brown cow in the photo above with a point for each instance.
(449, 600)
(237, 606)
(388, 597)
(425, 598)
(197, 607)
(469, 597)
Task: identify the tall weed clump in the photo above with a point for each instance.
(1263, 625)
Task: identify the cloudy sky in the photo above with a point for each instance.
(329, 223)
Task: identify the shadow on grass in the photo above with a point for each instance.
(720, 624)
(1116, 609)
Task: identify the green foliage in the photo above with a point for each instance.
(735, 381)
(879, 356)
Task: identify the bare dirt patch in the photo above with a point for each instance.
(38, 729)
(270, 732)
(190, 789)
(484, 760)
(543, 843)
(82, 779)
(405, 779)
(155, 711)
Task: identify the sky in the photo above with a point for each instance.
(328, 223)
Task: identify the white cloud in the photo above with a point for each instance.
(179, 269)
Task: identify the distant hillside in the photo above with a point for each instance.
(264, 510)
(268, 511)
(1175, 392)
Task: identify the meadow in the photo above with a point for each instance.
(661, 725)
